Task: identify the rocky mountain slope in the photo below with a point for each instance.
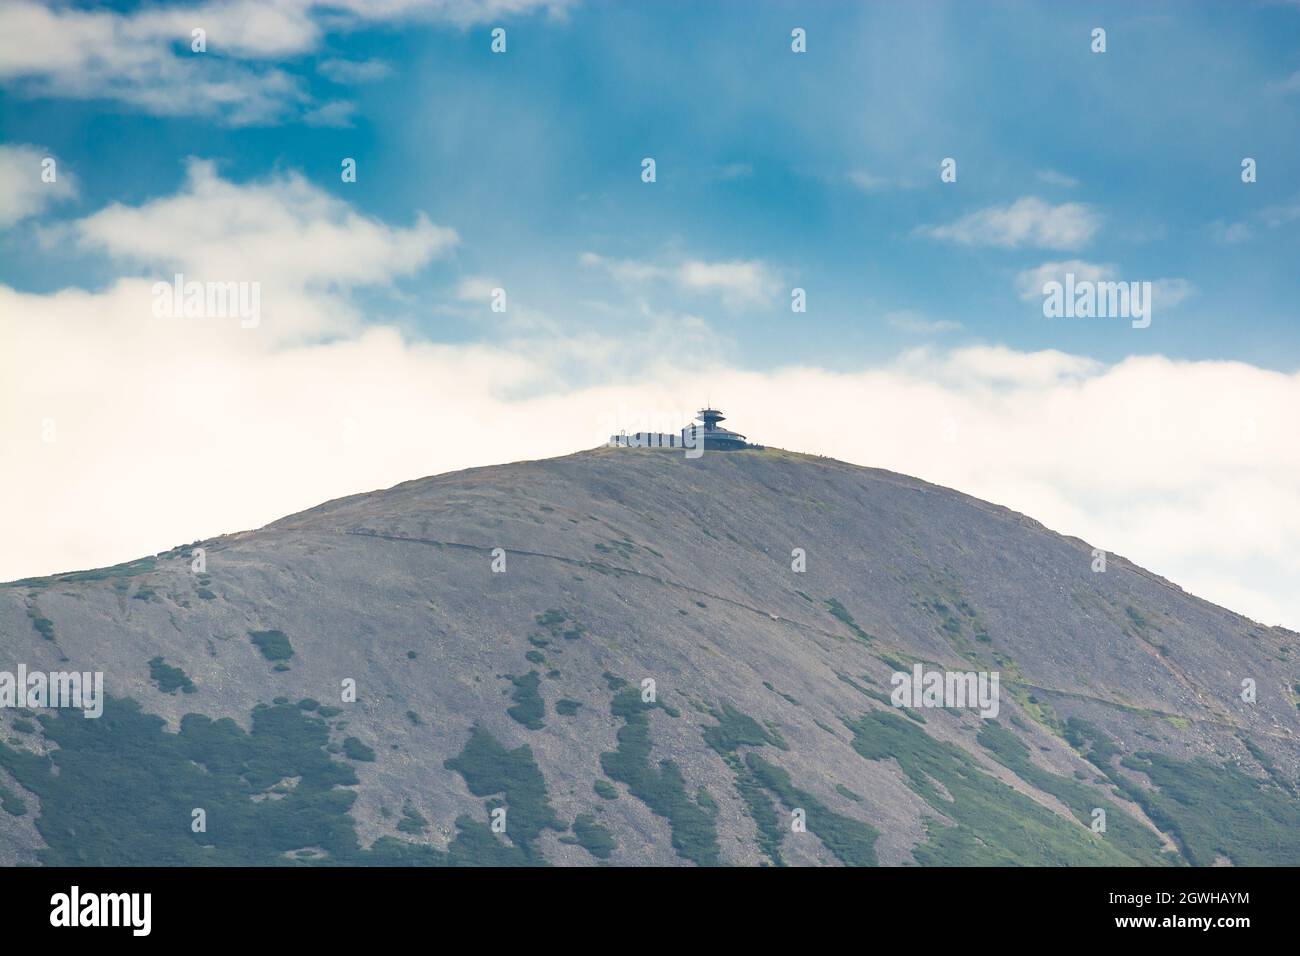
(524, 690)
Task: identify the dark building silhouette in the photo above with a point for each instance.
(723, 439)
(707, 435)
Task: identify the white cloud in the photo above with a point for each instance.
(629, 271)
(1282, 214)
(350, 72)
(995, 367)
(306, 248)
(144, 57)
(189, 429)
(1030, 282)
(1054, 178)
(335, 113)
(23, 191)
(739, 283)
(476, 289)
(1028, 221)
(733, 171)
(1231, 233)
(461, 13)
(1166, 293)
(1289, 85)
(915, 322)
(868, 182)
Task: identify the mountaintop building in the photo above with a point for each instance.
(707, 435)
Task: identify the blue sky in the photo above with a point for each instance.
(822, 166)
(376, 357)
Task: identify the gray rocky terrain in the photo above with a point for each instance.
(770, 739)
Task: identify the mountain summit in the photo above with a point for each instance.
(634, 656)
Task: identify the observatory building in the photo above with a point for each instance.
(706, 435)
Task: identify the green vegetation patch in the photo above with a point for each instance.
(124, 789)
(706, 801)
(880, 697)
(788, 699)
(1129, 836)
(1095, 746)
(841, 613)
(1213, 810)
(1253, 749)
(992, 824)
(412, 821)
(489, 769)
(552, 617)
(169, 679)
(850, 841)
(735, 730)
(561, 624)
(956, 616)
(529, 709)
(273, 644)
(660, 788)
(593, 837)
(1210, 810)
(567, 708)
(44, 626)
(11, 803)
(1136, 617)
(129, 569)
(759, 806)
(354, 749)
